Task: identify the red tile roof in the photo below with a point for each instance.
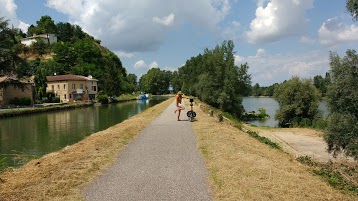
(65, 78)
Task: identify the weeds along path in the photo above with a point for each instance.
(242, 168)
(61, 175)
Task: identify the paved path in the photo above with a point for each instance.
(162, 163)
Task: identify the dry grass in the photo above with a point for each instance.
(61, 175)
(241, 168)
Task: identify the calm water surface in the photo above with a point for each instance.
(271, 106)
(39, 134)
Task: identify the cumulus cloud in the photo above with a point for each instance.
(137, 25)
(8, 11)
(334, 31)
(142, 65)
(267, 69)
(166, 21)
(153, 65)
(277, 20)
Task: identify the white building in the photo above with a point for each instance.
(46, 38)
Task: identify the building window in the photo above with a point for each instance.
(58, 87)
(53, 87)
(94, 88)
(81, 86)
(64, 86)
(65, 96)
(70, 95)
(73, 86)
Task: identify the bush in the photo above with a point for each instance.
(21, 101)
(78, 98)
(298, 100)
(102, 99)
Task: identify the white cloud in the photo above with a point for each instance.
(166, 21)
(267, 69)
(140, 64)
(128, 26)
(153, 65)
(8, 11)
(334, 31)
(279, 19)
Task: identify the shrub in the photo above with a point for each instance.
(102, 98)
(79, 98)
(21, 101)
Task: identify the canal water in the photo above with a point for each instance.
(271, 106)
(26, 137)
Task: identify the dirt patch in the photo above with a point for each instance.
(300, 142)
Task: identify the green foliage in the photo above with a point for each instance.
(298, 100)
(40, 46)
(156, 81)
(253, 115)
(339, 176)
(44, 25)
(25, 101)
(322, 83)
(257, 90)
(342, 123)
(352, 8)
(10, 62)
(214, 78)
(102, 99)
(263, 140)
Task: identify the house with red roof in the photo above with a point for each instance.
(71, 88)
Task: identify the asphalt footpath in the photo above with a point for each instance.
(162, 163)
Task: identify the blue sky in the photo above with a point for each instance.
(277, 38)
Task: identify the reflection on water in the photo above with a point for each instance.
(39, 134)
(271, 106)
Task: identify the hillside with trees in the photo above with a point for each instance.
(76, 52)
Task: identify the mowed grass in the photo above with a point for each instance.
(242, 168)
(62, 175)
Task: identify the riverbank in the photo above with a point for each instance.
(62, 174)
(5, 113)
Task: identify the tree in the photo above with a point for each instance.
(352, 8)
(154, 82)
(10, 62)
(215, 79)
(342, 130)
(46, 25)
(132, 83)
(44, 69)
(298, 100)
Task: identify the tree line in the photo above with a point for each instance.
(320, 82)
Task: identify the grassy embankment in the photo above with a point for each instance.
(244, 166)
(61, 175)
